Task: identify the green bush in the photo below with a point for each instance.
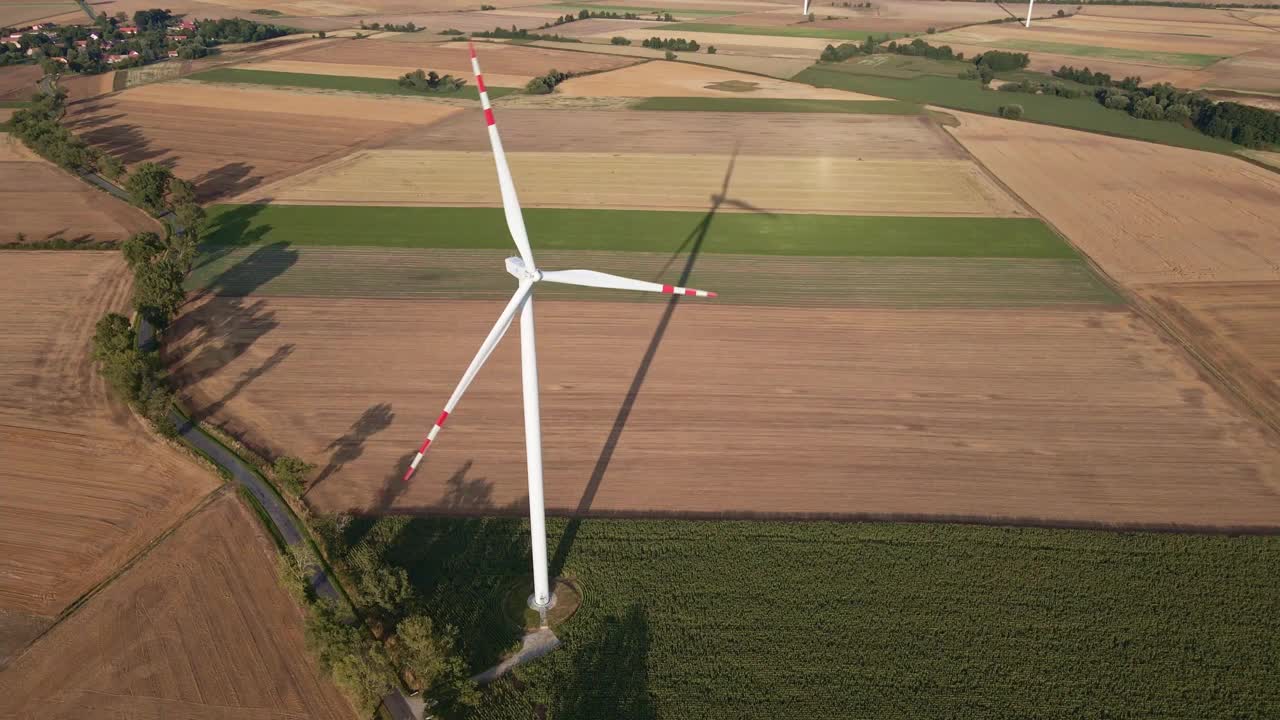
(430, 82)
(670, 55)
(619, 40)
(1012, 112)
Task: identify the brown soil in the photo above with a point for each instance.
(83, 485)
(18, 82)
(670, 79)
(869, 137)
(1234, 326)
(1062, 416)
(198, 629)
(454, 58)
(228, 139)
(1146, 213)
(645, 181)
(787, 47)
(45, 203)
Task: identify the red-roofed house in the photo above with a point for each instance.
(128, 30)
(173, 53)
(187, 25)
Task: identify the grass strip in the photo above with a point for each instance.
(378, 86)
(633, 230)
(1096, 51)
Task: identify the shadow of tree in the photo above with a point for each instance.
(230, 179)
(230, 230)
(245, 379)
(609, 676)
(350, 445)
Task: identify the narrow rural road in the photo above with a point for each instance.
(535, 645)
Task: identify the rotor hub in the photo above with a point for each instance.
(521, 272)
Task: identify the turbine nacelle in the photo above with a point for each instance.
(521, 272)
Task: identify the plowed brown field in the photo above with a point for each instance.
(669, 79)
(867, 137)
(199, 629)
(83, 485)
(45, 203)
(1237, 327)
(1062, 416)
(1146, 213)
(650, 181)
(18, 82)
(454, 58)
(228, 139)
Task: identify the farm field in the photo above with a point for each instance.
(83, 485)
(504, 65)
(732, 43)
(803, 30)
(668, 79)
(887, 16)
(781, 184)
(198, 629)
(343, 83)
(227, 139)
(22, 12)
(45, 203)
(896, 79)
(865, 619)
(782, 68)
(1145, 213)
(18, 82)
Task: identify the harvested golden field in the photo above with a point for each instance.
(849, 136)
(786, 47)
(886, 16)
(199, 629)
(83, 484)
(17, 13)
(497, 59)
(43, 202)
(649, 181)
(1145, 213)
(1234, 326)
(1062, 416)
(670, 79)
(1257, 71)
(18, 82)
(778, 67)
(227, 139)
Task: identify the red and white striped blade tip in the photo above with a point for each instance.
(691, 292)
(408, 474)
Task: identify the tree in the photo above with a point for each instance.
(1012, 112)
(1148, 108)
(147, 186)
(109, 167)
(711, 49)
(358, 665)
(387, 588)
(141, 249)
(294, 567)
(1178, 112)
(619, 40)
(670, 55)
(292, 472)
(985, 74)
(424, 654)
(158, 291)
(190, 217)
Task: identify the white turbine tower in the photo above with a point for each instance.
(1030, 6)
(806, 8)
(528, 275)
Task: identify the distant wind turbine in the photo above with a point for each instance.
(527, 275)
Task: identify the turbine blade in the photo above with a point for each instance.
(486, 349)
(806, 7)
(1030, 6)
(510, 203)
(591, 278)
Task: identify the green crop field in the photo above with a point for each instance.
(636, 231)
(952, 92)
(380, 86)
(736, 619)
(750, 104)
(797, 30)
(1110, 53)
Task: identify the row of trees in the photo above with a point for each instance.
(408, 27)
(585, 14)
(430, 81)
(1084, 76)
(38, 127)
(678, 44)
(517, 34)
(544, 84)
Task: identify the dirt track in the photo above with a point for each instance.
(82, 484)
(199, 629)
(1068, 416)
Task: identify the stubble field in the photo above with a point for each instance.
(227, 139)
(83, 485)
(669, 79)
(44, 203)
(198, 629)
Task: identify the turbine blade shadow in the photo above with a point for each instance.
(697, 237)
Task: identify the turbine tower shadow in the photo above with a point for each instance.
(693, 241)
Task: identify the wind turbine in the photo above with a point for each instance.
(806, 8)
(1030, 6)
(527, 276)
